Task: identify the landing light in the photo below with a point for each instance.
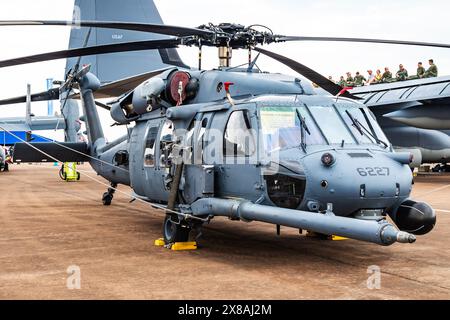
(328, 159)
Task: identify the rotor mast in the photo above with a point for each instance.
(225, 53)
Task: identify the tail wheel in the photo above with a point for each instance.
(175, 232)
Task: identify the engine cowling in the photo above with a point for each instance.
(169, 90)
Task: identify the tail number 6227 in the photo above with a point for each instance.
(376, 171)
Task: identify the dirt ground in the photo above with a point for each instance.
(48, 225)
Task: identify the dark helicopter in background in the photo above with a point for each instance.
(240, 143)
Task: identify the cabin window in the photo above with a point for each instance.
(149, 153)
(239, 138)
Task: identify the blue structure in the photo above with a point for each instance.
(6, 139)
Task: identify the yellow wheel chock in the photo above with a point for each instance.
(177, 246)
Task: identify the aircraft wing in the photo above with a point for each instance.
(422, 103)
(421, 90)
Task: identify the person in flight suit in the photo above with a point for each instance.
(387, 75)
(420, 70)
(350, 80)
(359, 79)
(402, 73)
(432, 70)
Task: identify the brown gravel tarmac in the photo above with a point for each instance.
(47, 225)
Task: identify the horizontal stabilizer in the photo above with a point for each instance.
(65, 152)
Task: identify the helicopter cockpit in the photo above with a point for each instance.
(285, 127)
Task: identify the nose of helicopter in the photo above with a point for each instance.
(356, 182)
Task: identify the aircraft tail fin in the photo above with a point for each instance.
(115, 66)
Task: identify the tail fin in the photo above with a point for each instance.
(112, 67)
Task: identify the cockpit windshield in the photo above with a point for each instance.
(334, 129)
(284, 127)
(299, 126)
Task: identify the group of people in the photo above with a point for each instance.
(386, 77)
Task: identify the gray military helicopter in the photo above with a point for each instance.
(241, 143)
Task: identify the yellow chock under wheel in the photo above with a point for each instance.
(338, 238)
(324, 237)
(177, 246)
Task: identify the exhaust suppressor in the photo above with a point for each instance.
(379, 232)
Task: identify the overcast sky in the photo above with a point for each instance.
(399, 19)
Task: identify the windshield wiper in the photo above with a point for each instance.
(363, 130)
(303, 128)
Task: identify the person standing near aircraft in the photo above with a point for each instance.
(402, 73)
(359, 79)
(432, 70)
(342, 82)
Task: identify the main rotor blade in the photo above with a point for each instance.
(401, 42)
(144, 27)
(52, 94)
(308, 73)
(101, 49)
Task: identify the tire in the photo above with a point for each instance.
(107, 199)
(174, 232)
(78, 176)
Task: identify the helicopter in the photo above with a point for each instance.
(240, 143)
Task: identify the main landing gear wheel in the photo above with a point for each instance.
(175, 232)
(107, 199)
(109, 195)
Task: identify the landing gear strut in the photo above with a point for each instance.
(109, 195)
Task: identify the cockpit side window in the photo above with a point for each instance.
(239, 138)
(149, 152)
